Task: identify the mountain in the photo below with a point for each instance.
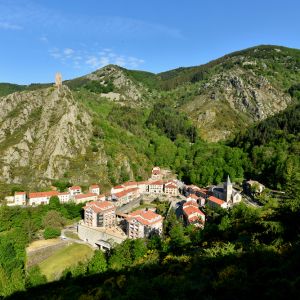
(104, 127)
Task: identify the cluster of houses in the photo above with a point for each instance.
(102, 211)
(74, 194)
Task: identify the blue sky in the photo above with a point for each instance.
(77, 37)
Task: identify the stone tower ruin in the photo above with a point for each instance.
(58, 79)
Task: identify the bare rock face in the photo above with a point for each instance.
(126, 91)
(40, 132)
(234, 99)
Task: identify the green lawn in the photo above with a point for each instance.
(54, 265)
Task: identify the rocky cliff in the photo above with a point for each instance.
(40, 132)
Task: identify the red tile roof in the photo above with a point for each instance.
(171, 186)
(157, 182)
(118, 187)
(20, 193)
(190, 203)
(42, 194)
(193, 196)
(100, 206)
(125, 192)
(94, 186)
(216, 200)
(75, 187)
(192, 210)
(145, 217)
(130, 183)
(63, 193)
(87, 195)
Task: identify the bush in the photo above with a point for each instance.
(51, 233)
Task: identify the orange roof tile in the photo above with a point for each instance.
(216, 200)
(87, 195)
(157, 182)
(94, 186)
(145, 217)
(75, 187)
(100, 206)
(20, 193)
(124, 193)
(42, 194)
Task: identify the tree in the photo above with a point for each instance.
(54, 202)
(35, 277)
(53, 219)
(98, 263)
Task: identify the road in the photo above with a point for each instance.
(249, 201)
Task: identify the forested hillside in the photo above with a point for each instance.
(273, 147)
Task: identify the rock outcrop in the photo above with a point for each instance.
(40, 132)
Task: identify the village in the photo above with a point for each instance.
(111, 218)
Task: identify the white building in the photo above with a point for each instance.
(81, 198)
(125, 196)
(74, 190)
(143, 223)
(20, 198)
(100, 214)
(64, 197)
(192, 214)
(156, 187)
(40, 197)
(95, 189)
(171, 188)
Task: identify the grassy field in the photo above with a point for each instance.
(54, 265)
(71, 235)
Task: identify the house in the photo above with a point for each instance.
(95, 189)
(171, 188)
(214, 202)
(10, 200)
(117, 189)
(101, 197)
(156, 174)
(99, 214)
(81, 198)
(156, 187)
(198, 199)
(125, 196)
(64, 197)
(130, 185)
(143, 186)
(38, 198)
(192, 214)
(143, 223)
(192, 197)
(74, 190)
(20, 198)
(227, 193)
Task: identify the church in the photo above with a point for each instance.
(226, 192)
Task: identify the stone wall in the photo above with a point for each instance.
(93, 235)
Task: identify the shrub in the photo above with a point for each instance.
(51, 233)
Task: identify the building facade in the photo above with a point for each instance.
(100, 214)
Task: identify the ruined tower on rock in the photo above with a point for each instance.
(58, 80)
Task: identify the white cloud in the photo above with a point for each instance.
(9, 26)
(93, 59)
(68, 51)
